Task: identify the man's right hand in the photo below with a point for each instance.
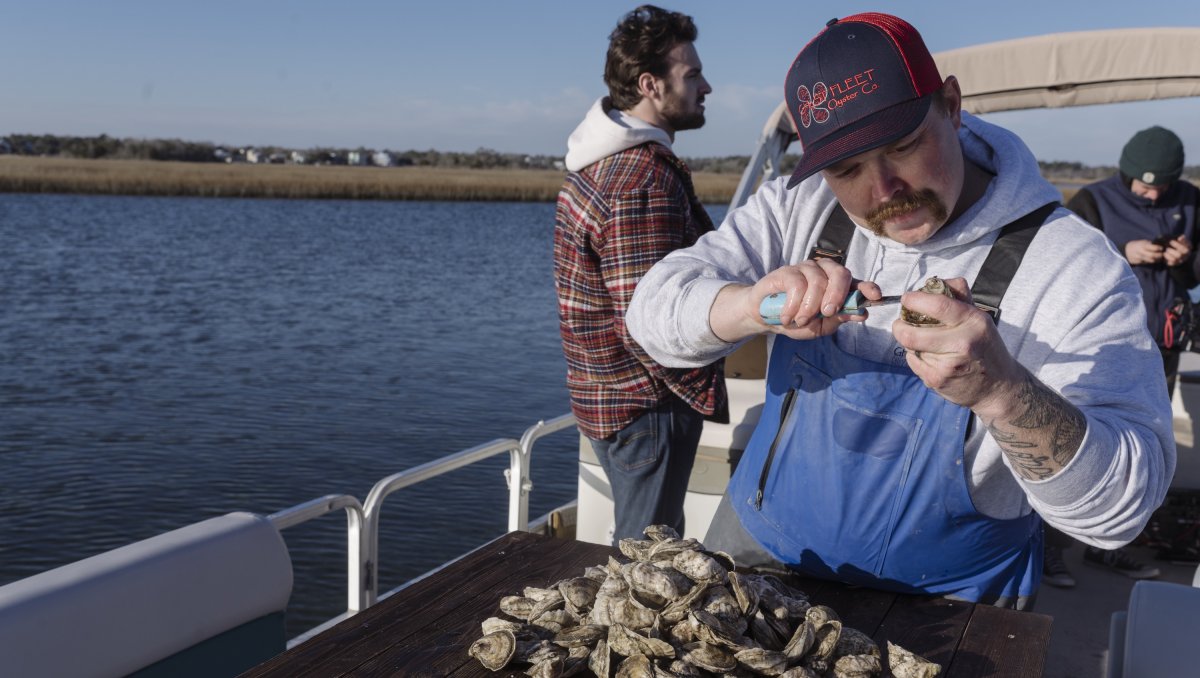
(1142, 252)
(815, 289)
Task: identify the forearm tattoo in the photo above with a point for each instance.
(1045, 433)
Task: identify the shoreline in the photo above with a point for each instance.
(26, 174)
(167, 178)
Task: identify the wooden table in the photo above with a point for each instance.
(425, 629)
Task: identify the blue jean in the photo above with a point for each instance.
(648, 464)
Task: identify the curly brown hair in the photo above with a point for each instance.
(640, 44)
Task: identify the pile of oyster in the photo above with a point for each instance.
(675, 609)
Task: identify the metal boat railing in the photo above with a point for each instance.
(362, 520)
(302, 513)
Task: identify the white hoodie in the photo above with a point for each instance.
(606, 131)
(1073, 315)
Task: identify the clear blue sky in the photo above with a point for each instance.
(457, 75)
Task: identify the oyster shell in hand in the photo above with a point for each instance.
(933, 285)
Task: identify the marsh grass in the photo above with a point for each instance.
(23, 174)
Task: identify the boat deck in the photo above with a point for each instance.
(1079, 635)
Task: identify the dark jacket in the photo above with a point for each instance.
(1111, 206)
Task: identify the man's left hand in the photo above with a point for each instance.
(963, 358)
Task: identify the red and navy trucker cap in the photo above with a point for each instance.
(863, 82)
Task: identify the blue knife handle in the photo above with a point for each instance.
(772, 306)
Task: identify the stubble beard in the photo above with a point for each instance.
(680, 119)
(685, 121)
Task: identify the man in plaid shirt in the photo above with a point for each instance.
(626, 203)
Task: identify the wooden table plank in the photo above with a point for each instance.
(1002, 643)
(441, 635)
(592, 554)
(861, 608)
(339, 649)
(930, 627)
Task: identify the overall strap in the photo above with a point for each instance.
(835, 236)
(995, 274)
(1005, 258)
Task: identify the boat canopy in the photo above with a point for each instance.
(1076, 69)
(1058, 70)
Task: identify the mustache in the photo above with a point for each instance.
(906, 204)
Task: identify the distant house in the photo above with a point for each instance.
(5, 147)
(356, 158)
(277, 158)
(382, 159)
(299, 158)
(560, 165)
(253, 155)
(222, 155)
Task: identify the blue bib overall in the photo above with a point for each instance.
(855, 473)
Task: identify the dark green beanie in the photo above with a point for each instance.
(1153, 156)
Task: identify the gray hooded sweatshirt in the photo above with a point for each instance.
(1073, 316)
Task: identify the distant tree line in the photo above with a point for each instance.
(104, 146)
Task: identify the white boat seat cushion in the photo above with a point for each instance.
(120, 611)
(1157, 636)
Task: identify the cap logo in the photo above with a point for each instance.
(812, 104)
(815, 105)
(1147, 178)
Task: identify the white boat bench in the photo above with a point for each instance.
(1157, 635)
(207, 599)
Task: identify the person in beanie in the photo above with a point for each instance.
(920, 451)
(1150, 215)
(628, 201)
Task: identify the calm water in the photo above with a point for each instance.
(166, 360)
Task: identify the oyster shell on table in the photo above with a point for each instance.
(579, 594)
(601, 659)
(492, 624)
(762, 661)
(853, 641)
(933, 285)
(635, 549)
(905, 664)
(584, 635)
(495, 649)
(656, 586)
(857, 666)
(630, 643)
(709, 657)
(803, 638)
(517, 606)
(660, 532)
(828, 631)
(699, 566)
(635, 666)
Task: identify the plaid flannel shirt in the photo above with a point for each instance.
(615, 219)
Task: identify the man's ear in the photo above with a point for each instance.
(649, 86)
(952, 95)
